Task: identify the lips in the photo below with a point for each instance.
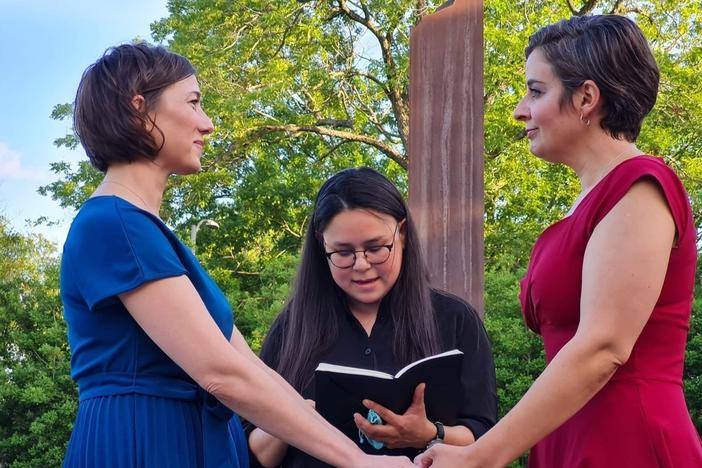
(365, 281)
(199, 143)
(530, 132)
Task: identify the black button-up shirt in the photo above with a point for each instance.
(459, 327)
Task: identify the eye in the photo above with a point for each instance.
(194, 102)
(533, 92)
(375, 248)
(344, 253)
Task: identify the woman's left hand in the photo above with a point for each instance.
(411, 429)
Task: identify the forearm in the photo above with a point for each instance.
(458, 435)
(257, 397)
(453, 435)
(268, 450)
(239, 344)
(193, 341)
(572, 378)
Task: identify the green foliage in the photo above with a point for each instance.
(37, 396)
(519, 355)
(693, 359)
(298, 90)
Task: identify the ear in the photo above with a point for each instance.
(139, 103)
(587, 99)
(402, 231)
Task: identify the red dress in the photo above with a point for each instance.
(639, 418)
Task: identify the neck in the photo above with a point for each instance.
(140, 183)
(366, 314)
(597, 161)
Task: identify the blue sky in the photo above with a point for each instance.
(44, 47)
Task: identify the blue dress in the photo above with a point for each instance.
(137, 408)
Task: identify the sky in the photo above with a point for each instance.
(44, 47)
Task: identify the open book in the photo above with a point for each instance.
(340, 390)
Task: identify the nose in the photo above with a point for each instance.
(206, 126)
(521, 112)
(361, 262)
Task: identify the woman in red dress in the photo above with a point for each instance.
(609, 287)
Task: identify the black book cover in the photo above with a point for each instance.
(340, 390)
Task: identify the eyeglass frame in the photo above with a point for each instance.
(365, 256)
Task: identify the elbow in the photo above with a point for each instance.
(214, 385)
(238, 388)
(221, 384)
(611, 359)
(620, 357)
(613, 352)
(606, 354)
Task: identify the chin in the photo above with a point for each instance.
(536, 151)
(187, 170)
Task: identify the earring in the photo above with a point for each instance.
(586, 122)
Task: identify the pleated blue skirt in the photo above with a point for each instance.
(135, 430)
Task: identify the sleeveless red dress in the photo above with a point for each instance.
(639, 418)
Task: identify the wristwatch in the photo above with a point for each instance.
(439, 439)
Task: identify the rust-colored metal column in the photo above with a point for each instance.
(446, 145)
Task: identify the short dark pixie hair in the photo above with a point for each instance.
(612, 51)
(109, 127)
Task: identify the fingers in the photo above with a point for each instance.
(418, 398)
(384, 413)
(424, 459)
(373, 431)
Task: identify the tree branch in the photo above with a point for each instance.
(374, 79)
(399, 106)
(293, 129)
(420, 10)
(335, 123)
(587, 7)
(615, 7)
(290, 26)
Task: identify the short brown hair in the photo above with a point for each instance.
(612, 51)
(109, 127)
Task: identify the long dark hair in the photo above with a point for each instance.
(310, 320)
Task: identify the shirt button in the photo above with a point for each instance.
(367, 351)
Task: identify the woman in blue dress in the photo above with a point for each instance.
(159, 364)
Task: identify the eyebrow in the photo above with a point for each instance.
(196, 93)
(532, 82)
(366, 243)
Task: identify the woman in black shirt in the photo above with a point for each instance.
(362, 299)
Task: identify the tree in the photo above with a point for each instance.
(298, 90)
(37, 397)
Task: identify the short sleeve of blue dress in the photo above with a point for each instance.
(137, 407)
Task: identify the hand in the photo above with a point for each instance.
(445, 456)
(411, 429)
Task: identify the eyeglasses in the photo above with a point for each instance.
(375, 254)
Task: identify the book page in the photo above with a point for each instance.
(323, 366)
(428, 358)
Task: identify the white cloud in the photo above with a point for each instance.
(11, 166)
